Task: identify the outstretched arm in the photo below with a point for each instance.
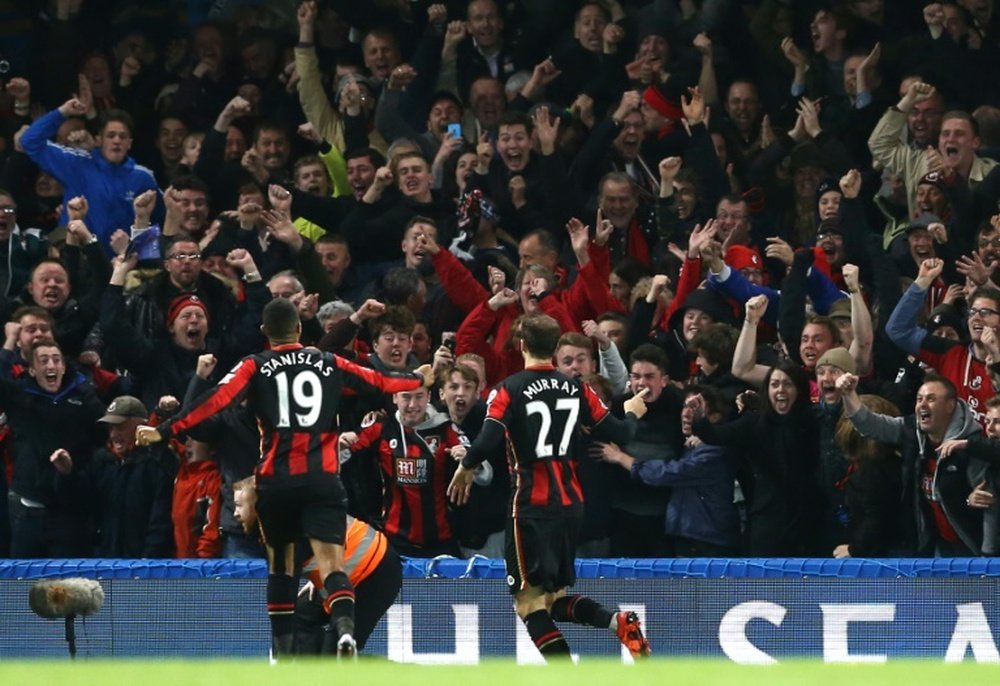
(745, 365)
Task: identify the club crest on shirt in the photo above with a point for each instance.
(976, 383)
(432, 443)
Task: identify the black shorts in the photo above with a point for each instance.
(541, 552)
(314, 507)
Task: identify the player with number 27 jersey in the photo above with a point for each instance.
(541, 411)
(295, 393)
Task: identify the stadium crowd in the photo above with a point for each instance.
(751, 210)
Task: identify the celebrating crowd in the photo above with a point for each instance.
(778, 222)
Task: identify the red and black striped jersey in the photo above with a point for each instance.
(416, 468)
(294, 393)
(540, 412)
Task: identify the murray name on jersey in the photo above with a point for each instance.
(549, 384)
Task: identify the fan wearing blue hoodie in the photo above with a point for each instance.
(106, 176)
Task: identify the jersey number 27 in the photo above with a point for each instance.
(567, 410)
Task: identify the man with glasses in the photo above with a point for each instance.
(954, 156)
(615, 145)
(183, 273)
(963, 365)
(19, 255)
(923, 122)
(732, 218)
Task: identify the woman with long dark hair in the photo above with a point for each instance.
(776, 450)
(872, 487)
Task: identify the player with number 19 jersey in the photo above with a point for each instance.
(540, 411)
(294, 393)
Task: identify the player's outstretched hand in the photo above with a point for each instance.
(461, 485)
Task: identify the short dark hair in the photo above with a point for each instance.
(183, 237)
(331, 238)
(617, 177)
(43, 343)
(309, 161)
(268, 125)
(964, 116)
(613, 317)
(546, 239)
(33, 311)
(829, 325)
(280, 319)
(395, 317)
(592, 3)
(993, 402)
(120, 116)
(732, 199)
(190, 182)
(988, 292)
(654, 354)
(399, 284)
(374, 156)
(516, 118)
(464, 370)
(934, 377)
(630, 270)
(396, 159)
(577, 340)
(383, 32)
(419, 219)
(716, 343)
(540, 334)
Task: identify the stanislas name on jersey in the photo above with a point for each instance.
(291, 358)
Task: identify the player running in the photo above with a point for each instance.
(294, 392)
(370, 562)
(541, 412)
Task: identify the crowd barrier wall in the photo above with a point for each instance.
(459, 612)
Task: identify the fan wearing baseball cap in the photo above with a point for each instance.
(131, 486)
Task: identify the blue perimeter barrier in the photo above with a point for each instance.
(481, 568)
(457, 611)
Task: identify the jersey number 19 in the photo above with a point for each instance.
(307, 395)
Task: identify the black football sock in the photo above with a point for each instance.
(281, 611)
(339, 603)
(546, 635)
(580, 609)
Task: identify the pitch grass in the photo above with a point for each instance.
(660, 672)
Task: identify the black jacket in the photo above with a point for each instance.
(132, 499)
(42, 423)
(783, 453)
(657, 437)
(148, 304)
(163, 368)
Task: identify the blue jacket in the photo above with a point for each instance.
(701, 499)
(109, 188)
